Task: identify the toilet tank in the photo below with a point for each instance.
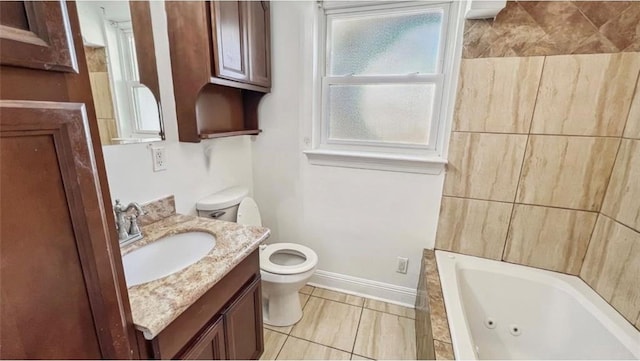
(222, 205)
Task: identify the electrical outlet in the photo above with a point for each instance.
(403, 265)
(159, 156)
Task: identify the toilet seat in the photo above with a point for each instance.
(311, 259)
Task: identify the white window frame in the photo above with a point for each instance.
(430, 158)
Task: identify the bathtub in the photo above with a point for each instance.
(498, 310)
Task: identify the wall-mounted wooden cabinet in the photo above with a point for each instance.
(220, 59)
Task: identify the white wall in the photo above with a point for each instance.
(90, 17)
(358, 221)
(194, 170)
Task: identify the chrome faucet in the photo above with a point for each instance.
(130, 232)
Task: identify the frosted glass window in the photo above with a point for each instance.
(387, 113)
(395, 43)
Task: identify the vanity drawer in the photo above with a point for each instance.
(189, 324)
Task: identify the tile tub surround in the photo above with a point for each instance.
(433, 337)
(529, 28)
(156, 304)
(612, 266)
(507, 184)
(336, 325)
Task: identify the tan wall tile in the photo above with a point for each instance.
(473, 227)
(632, 130)
(567, 172)
(101, 90)
(622, 201)
(638, 322)
(612, 266)
(96, 59)
(586, 94)
(484, 166)
(549, 238)
(497, 94)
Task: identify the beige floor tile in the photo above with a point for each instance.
(338, 296)
(328, 323)
(358, 357)
(287, 329)
(273, 342)
(297, 349)
(303, 300)
(386, 336)
(390, 308)
(307, 290)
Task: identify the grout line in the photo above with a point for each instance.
(536, 134)
(506, 237)
(318, 343)
(524, 157)
(347, 303)
(281, 347)
(363, 297)
(266, 327)
(635, 91)
(328, 299)
(620, 223)
(353, 347)
(524, 204)
(389, 313)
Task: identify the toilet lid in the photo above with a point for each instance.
(248, 213)
(311, 259)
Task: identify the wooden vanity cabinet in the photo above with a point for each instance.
(224, 324)
(210, 345)
(222, 72)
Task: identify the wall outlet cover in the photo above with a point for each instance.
(159, 157)
(403, 265)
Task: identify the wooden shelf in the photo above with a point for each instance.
(229, 134)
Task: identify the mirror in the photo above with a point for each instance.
(120, 56)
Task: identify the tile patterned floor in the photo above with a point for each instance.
(338, 326)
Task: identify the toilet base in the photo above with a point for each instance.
(280, 298)
(281, 310)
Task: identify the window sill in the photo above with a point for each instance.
(385, 162)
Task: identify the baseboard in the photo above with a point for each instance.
(403, 296)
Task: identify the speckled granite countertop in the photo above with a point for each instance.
(156, 304)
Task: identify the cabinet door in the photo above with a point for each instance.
(210, 345)
(243, 324)
(230, 40)
(63, 294)
(36, 35)
(259, 37)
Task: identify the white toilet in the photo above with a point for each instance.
(285, 267)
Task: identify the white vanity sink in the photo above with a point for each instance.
(166, 256)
